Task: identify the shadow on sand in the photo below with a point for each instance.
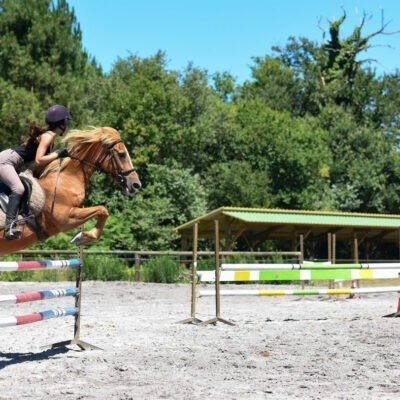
(7, 359)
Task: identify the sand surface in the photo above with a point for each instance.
(280, 347)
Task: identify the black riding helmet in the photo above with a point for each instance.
(58, 116)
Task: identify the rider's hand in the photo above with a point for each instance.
(62, 153)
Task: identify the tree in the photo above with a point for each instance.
(16, 106)
(224, 85)
(41, 42)
(43, 60)
(276, 84)
(331, 71)
(236, 183)
(365, 161)
(146, 107)
(171, 197)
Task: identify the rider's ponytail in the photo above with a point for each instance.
(34, 132)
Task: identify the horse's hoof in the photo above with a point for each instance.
(77, 239)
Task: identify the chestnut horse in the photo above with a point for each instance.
(64, 184)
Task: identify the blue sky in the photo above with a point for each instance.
(224, 35)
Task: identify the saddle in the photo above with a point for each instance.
(32, 202)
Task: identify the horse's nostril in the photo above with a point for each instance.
(137, 186)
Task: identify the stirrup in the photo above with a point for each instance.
(11, 233)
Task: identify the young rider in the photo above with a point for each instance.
(39, 148)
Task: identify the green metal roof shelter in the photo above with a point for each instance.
(255, 226)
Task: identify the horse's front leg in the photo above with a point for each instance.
(78, 216)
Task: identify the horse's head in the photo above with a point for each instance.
(102, 149)
(117, 163)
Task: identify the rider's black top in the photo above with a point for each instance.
(27, 151)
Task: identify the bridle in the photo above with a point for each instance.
(119, 174)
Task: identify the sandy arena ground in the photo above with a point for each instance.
(280, 348)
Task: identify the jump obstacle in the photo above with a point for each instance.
(75, 292)
(301, 271)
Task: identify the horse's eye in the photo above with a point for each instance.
(122, 155)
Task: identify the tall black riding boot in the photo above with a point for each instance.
(10, 231)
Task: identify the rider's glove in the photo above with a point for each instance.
(62, 153)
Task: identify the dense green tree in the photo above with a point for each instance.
(42, 62)
(41, 45)
(387, 104)
(291, 151)
(362, 160)
(145, 105)
(16, 106)
(225, 85)
(171, 197)
(235, 183)
(276, 84)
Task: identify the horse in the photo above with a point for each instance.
(64, 183)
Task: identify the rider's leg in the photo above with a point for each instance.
(9, 161)
(11, 231)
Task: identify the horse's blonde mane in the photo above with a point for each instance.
(84, 144)
(92, 135)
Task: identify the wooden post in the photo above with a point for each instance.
(331, 283)
(78, 301)
(217, 283)
(301, 258)
(137, 267)
(334, 248)
(355, 250)
(301, 249)
(193, 319)
(399, 242)
(356, 256)
(330, 247)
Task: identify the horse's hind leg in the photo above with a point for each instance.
(78, 216)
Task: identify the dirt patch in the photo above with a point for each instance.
(280, 347)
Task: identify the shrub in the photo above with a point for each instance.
(105, 268)
(162, 270)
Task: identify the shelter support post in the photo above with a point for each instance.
(355, 254)
(301, 258)
(330, 247)
(331, 254)
(334, 248)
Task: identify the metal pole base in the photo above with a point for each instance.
(393, 315)
(191, 320)
(80, 343)
(215, 320)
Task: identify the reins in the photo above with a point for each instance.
(55, 189)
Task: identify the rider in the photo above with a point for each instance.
(39, 148)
